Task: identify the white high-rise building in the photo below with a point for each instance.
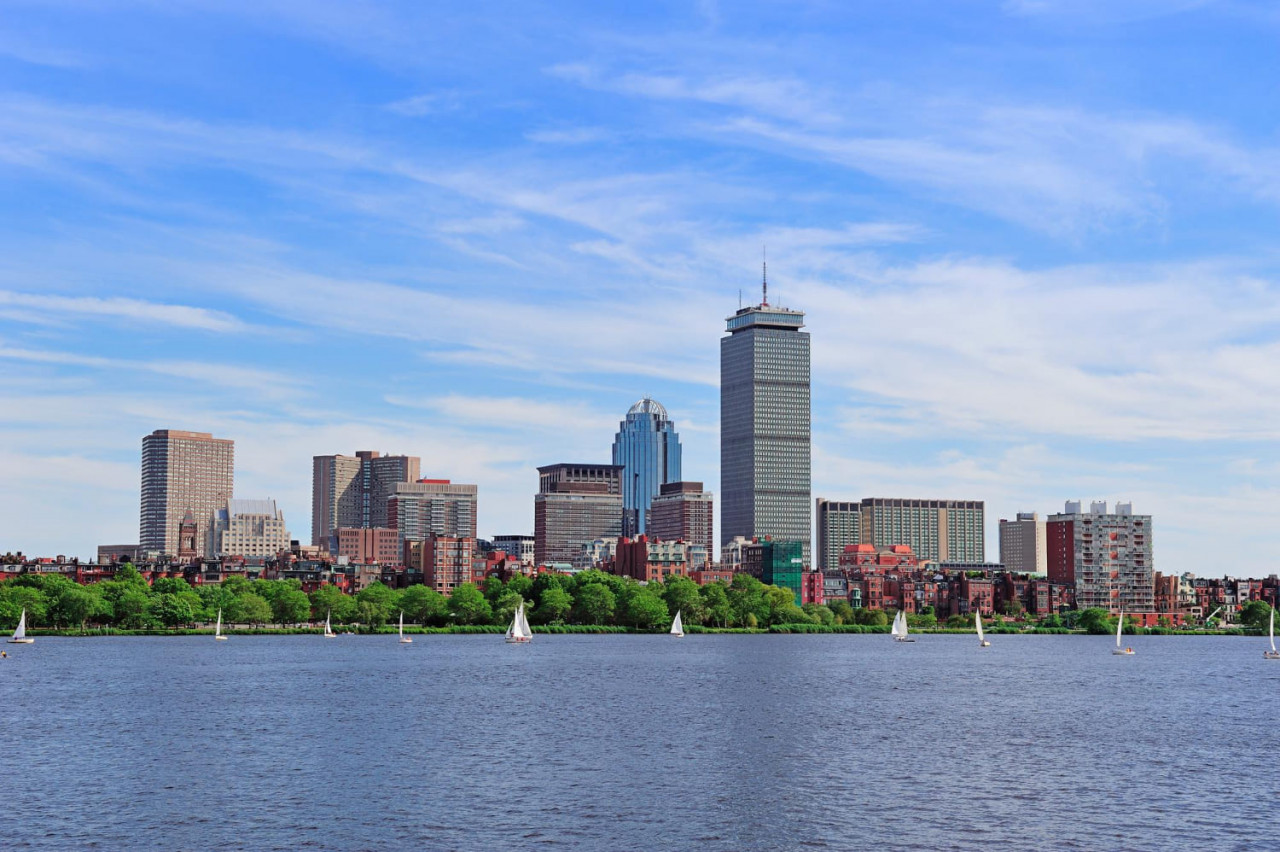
(1023, 546)
(251, 528)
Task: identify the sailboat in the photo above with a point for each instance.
(518, 633)
(1117, 650)
(977, 619)
(20, 635)
(1273, 654)
(328, 631)
(404, 640)
(677, 627)
(899, 629)
(217, 628)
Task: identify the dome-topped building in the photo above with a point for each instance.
(648, 449)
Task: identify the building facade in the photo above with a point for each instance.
(765, 474)
(183, 473)
(1108, 556)
(682, 511)
(648, 450)
(253, 529)
(1023, 546)
(941, 530)
(777, 563)
(575, 505)
(518, 547)
(430, 507)
(373, 546)
(839, 525)
(446, 562)
(352, 491)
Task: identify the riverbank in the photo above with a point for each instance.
(587, 629)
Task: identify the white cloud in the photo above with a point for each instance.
(142, 312)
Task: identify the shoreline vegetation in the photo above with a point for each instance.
(612, 629)
(584, 603)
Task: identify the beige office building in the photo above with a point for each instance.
(352, 491)
(183, 472)
(1023, 545)
(253, 529)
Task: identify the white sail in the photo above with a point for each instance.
(519, 629)
(21, 632)
(217, 628)
(677, 626)
(524, 623)
(899, 628)
(977, 618)
(1271, 631)
(328, 627)
(401, 624)
(1119, 627)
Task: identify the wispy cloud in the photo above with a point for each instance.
(173, 316)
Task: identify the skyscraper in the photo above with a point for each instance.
(1022, 544)
(575, 505)
(839, 525)
(945, 530)
(1107, 556)
(648, 450)
(764, 426)
(418, 510)
(183, 473)
(352, 491)
(683, 512)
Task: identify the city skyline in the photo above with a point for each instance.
(1023, 286)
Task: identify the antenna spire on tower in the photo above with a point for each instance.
(764, 281)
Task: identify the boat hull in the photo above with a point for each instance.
(21, 641)
(1271, 655)
(406, 641)
(902, 639)
(1127, 652)
(984, 644)
(517, 640)
(220, 638)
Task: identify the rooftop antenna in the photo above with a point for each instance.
(764, 260)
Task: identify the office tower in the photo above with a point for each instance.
(446, 562)
(363, 546)
(1023, 544)
(1107, 556)
(352, 491)
(682, 511)
(418, 510)
(764, 426)
(575, 505)
(519, 547)
(839, 524)
(941, 530)
(251, 528)
(648, 450)
(183, 473)
(777, 563)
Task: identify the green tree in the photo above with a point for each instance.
(75, 606)
(15, 598)
(715, 604)
(781, 607)
(819, 613)
(841, 611)
(172, 610)
(424, 605)
(292, 606)
(555, 606)
(329, 601)
(594, 603)
(1096, 620)
(254, 609)
(682, 595)
(382, 605)
(170, 586)
(644, 608)
(132, 609)
(871, 617)
(746, 597)
(493, 588)
(1255, 614)
(467, 605)
(521, 585)
(504, 608)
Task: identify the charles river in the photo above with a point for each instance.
(640, 743)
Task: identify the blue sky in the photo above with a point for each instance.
(1035, 241)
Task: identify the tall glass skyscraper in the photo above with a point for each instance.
(764, 426)
(648, 450)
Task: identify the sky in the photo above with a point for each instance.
(1034, 240)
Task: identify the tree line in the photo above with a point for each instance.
(589, 598)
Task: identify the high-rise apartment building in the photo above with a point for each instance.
(682, 511)
(1107, 556)
(839, 525)
(765, 426)
(183, 473)
(648, 450)
(1023, 547)
(352, 491)
(417, 510)
(575, 505)
(253, 529)
(365, 546)
(941, 530)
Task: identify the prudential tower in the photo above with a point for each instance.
(764, 425)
